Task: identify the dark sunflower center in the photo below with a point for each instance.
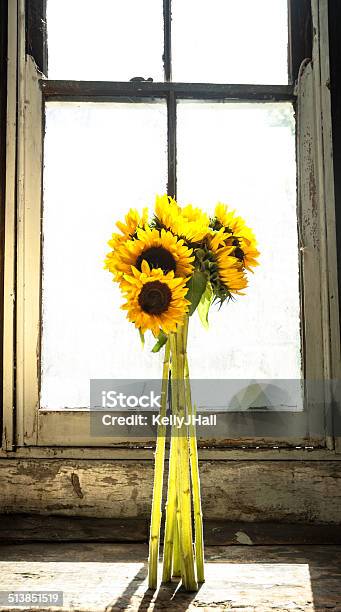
(155, 297)
(216, 225)
(239, 253)
(157, 257)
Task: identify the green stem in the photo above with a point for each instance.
(183, 476)
(171, 526)
(154, 540)
(170, 523)
(193, 455)
(176, 548)
(198, 523)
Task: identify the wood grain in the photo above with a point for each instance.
(247, 491)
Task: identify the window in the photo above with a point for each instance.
(144, 97)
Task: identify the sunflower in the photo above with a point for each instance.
(166, 211)
(245, 251)
(133, 220)
(188, 222)
(223, 218)
(160, 249)
(231, 230)
(227, 275)
(155, 300)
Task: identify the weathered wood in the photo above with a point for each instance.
(310, 234)
(300, 35)
(9, 246)
(3, 130)
(28, 249)
(110, 578)
(95, 90)
(244, 453)
(326, 204)
(223, 533)
(36, 33)
(334, 23)
(54, 528)
(289, 491)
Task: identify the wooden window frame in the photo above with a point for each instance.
(27, 426)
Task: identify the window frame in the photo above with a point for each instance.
(24, 423)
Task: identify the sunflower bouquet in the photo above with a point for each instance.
(168, 266)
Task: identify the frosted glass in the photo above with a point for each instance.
(100, 160)
(244, 155)
(105, 40)
(230, 41)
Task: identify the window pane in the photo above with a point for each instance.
(100, 160)
(244, 155)
(230, 41)
(105, 40)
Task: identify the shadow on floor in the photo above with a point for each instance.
(167, 597)
(316, 589)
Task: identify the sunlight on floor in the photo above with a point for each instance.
(118, 581)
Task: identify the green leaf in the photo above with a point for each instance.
(141, 338)
(196, 287)
(204, 305)
(161, 341)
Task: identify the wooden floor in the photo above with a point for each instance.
(110, 577)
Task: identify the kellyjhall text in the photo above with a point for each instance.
(142, 420)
